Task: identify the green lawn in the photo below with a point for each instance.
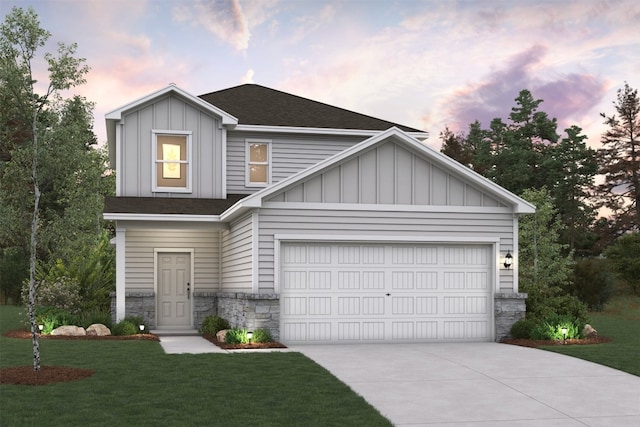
(136, 383)
(620, 321)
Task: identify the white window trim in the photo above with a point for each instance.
(154, 157)
(269, 163)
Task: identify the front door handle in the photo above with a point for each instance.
(188, 290)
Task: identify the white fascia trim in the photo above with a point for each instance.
(514, 253)
(227, 119)
(386, 208)
(160, 217)
(224, 161)
(320, 131)
(255, 252)
(121, 262)
(118, 159)
(385, 239)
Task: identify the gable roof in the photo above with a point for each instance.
(114, 116)
(519, 205)
(258, 105)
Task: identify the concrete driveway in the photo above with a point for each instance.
(482, 384)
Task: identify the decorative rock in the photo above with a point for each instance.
(589, 332)
(74, 331)
(221, 336)
(98, 329)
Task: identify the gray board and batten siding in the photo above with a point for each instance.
(171, 113)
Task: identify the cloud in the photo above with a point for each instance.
(223, 18)
(248, 77)
(571, 97)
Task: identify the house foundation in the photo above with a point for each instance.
(242, 310)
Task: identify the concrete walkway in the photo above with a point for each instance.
(482, 384)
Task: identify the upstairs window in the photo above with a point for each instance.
(172, 161)
(258, 166)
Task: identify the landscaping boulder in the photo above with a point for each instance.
(221, 336)
(73, 331)
(98, 329)
(589, 332)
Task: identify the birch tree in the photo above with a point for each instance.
(29, 104)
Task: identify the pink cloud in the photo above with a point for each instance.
(570, 98)
(223, 18)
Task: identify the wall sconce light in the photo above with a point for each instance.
(249, 335)
(141, 328)
(508, 260)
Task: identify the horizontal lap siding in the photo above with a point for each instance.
(141, 243)
(237, 261)
(290, 155)
(378, 224)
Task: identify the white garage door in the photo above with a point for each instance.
(344, 292)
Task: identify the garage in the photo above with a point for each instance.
(350, 292)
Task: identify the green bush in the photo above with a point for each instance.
(522, 329)
(551, 328)
(262, 335)
(211, 325)
(61, 292)
(125, 327)
(54, 317)
(236, 336)
(593, 283)
(240, 336)
(89, 317)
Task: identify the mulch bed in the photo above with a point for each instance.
(539, 343)
(252, 346)
(26, 334)
(26, 375)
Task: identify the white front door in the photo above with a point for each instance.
(174, 290)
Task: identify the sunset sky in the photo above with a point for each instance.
(425, 64)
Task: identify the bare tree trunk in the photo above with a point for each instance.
(32, 258)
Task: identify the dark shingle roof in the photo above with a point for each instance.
(258, 105)
(180, 206)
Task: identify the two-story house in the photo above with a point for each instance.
(318, 223)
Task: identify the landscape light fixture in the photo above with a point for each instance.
(564, 335)
(141, 328)
(40, 327)
(249, 335)
(508, 260)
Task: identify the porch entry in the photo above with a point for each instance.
(174, 290)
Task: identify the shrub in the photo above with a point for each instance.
(522, 329)
(551, 328)
(125, 327)
(237, 336)
(89, 317)
(211, 325)
(593, 283)
(62, 292)
(262, 335)
(240, 336)
(53, 317)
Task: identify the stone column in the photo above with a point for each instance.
(509, 308)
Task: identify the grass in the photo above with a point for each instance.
(620, 321)
(136, 383)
